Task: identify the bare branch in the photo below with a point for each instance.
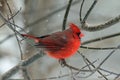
(25, 73)
(10, 18)
(107, 57)
(96, 27)
(23, 63)
(101, 26)
(93, 67)
(8, 24)
(24, 69)
(94, 48)
(66, 14)
(64, 64)
(101, 38)
(88, 12)
(81, 7)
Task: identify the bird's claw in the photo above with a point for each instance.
(62, 62)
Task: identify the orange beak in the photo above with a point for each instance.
(81, 35)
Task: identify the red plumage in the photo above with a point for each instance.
(60, 45)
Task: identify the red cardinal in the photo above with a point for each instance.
(59, 45)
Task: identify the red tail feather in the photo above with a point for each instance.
(32, 37)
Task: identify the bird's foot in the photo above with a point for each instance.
(62, 62)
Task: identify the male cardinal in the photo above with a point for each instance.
(59, 45)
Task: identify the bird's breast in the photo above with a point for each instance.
(66, 51)
(65, 46)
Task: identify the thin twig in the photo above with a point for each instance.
(64, 64)
(14, 28)
(8, 24)
(110, 72)
(96, 68)
(81, 7)
(101, 38)
(107, 57)
(88, 12)
(94, 48)
(93, 67)
(66, 14)
(11, 17)
(85, 67)
(84, 58)
(24, 70)
(102, 26)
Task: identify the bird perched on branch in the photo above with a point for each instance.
(59, 45)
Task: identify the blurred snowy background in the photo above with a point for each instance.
(46, 16)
